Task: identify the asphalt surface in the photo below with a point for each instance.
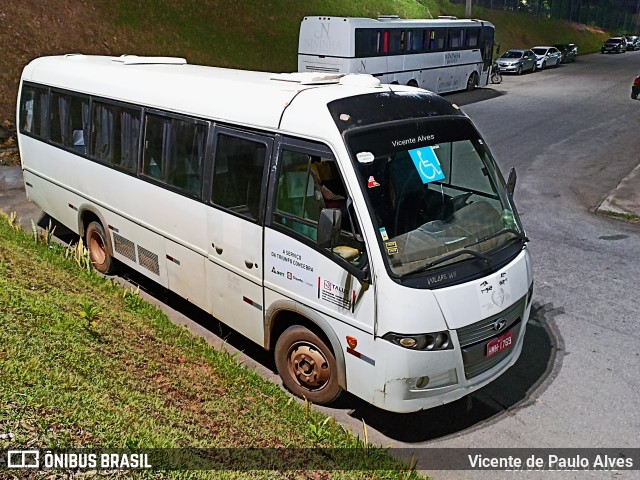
(572, 134)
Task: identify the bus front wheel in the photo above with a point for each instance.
(307, 365)
(99, 254)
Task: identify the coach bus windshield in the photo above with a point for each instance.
(435, 193)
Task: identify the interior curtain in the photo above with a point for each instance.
(129, 135)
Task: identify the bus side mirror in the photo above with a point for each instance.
(511, 183)
(329, 225)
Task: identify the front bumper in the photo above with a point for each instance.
(451, 374)
(509, 67)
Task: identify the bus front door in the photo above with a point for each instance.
(234, 226)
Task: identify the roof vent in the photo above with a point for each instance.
(360, 80)
(307, 78)
(136, 60)
(447, 17)
(388, 17)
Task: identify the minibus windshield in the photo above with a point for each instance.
(435, 193)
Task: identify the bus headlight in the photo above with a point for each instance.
(423, 341)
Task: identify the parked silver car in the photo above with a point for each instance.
(517, 61)
(547, 57)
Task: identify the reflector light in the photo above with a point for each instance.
(352, 342)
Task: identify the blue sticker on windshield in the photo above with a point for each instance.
(426, 164)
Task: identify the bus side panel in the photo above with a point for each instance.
(186, 273)
(296, 272)
(315, 63)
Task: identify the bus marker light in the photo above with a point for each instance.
(352, 342)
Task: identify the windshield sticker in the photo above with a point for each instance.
(365, 157)
(383, 232)
(392, 248)
(371, 183)
(426, 164)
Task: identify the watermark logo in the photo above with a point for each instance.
(23, 459)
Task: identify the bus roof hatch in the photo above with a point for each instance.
(136, 60)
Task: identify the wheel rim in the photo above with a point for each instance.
(471, 82)
(97, 248)
(308, 366)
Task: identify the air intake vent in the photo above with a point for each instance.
(124, 247)
(148, 260)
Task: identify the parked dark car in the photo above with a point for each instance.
(568, 52)
(614, 45)
(635, 88)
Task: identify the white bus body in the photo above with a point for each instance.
(287, 206)
(441, 55)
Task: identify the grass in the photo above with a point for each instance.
(248, 35)
(629, 217)
(86, 363)
(520, 30)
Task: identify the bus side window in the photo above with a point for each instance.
(115, 135)
(472, 37)
(69, 120)
(238, 175)
(174, 152)
(33, 111)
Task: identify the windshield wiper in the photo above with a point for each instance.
(519, 235)
(446, 258)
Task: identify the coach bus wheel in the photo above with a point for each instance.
(99, 254)
(307, 366)
(471, 82)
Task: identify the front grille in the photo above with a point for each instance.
(473, 339)
(124, 246)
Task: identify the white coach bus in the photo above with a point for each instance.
(360, 231)
(442, 55)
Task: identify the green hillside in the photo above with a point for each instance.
(246, 34)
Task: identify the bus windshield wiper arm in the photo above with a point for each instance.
(446, 258)
(519, 235)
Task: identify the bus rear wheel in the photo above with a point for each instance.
(99, 254)
(307, 365)
(472, 81)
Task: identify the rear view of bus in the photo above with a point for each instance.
(445, 54)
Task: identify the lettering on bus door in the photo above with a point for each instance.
(235, 222)
(308, 181)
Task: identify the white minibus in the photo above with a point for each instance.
(442, 55)
(360, 231)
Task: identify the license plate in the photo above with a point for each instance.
(499, 344)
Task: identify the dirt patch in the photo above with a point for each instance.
(8, 144)
(589, 28)
(32, 28)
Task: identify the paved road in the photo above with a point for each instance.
(571, 132)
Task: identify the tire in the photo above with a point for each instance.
(471, 82)
(519, 70)
(96, 241)
(544, 65)
(634, 96)
(307, 366)
(496, 77)
(533, 69)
